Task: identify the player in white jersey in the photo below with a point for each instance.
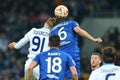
(108, 71)
(38, 40)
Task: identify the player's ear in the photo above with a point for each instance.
(100, 61)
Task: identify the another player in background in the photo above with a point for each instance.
(38, 39)
(68, 32)
(108, 71)
(53, 63)
(95, 61)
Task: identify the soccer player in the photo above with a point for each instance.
(38, 39)
(95, 61)
(108, 71)
(53, 63)
(68, 32)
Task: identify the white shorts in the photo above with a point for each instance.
(36, 71)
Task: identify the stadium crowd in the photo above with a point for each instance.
(19, 16)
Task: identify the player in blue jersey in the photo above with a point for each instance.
(53, 63)
(108, 71)
(68, 32)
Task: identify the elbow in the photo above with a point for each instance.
(29, 69)
(29, 73)
(75, 76)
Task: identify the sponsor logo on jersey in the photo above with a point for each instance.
(52, 76)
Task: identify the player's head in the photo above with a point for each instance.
(58, 20)
(109, 54)
(96, 60)
(54, 41)
(50, 22)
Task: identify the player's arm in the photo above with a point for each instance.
(30, 70)
(18, 45)
(83, 33)
(11, 45)
(21, 42)
(72, 67)
(74, 73)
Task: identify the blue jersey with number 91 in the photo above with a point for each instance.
(68, 37)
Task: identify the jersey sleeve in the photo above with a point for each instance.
(36, 59)
(74, 24)
(23, 41)
(70, 61)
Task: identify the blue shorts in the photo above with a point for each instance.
(76, 58)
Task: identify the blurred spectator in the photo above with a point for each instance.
(3, 42)
(111, 38)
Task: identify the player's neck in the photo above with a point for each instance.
(53, 47)
(46, 27)
(95, 67)
(59, 20)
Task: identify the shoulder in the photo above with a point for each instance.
(30, 32)
(117, 67)
(32, 29)
(40, 54)
(68, 22)
(65, 54)
(96, 70)
(72, 22)
(37, 29)
(43, 29)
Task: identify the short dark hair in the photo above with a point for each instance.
(99, 55)
(109, 54)
(54, 41)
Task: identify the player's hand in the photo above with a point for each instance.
(98, 40)
(11, 45)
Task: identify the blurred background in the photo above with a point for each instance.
(100, 18)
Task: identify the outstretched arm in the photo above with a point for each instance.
(83, 33)
(19, 44)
